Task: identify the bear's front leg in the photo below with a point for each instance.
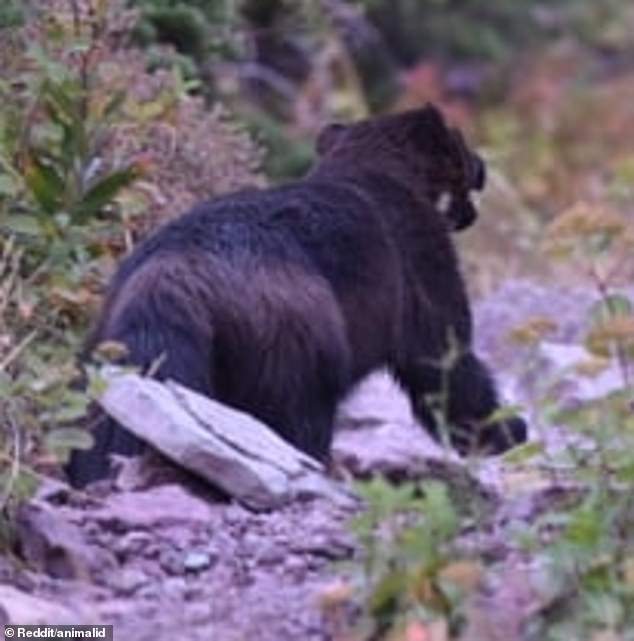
(463, 397)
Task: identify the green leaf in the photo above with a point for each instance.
(114, 104)
(46, 185)
(63, 103)
(8, 185)
(103, 192)
(585, 527)
(51, 68)
(610, 307)
(24, 487)
(61, 106)
(70, 146)
(625, 473)
(62, 441)
(22, 224)
(71, 412)
(504, 413)
(439, 511)
(524, 452)
(384, 599)
(68, 438)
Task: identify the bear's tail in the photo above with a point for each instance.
(164, 336)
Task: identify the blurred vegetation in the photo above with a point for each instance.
(11, 14)
(288, 66)
(117, 115)
(94, 150)
(495, 30)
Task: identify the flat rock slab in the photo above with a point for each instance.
(228, 448)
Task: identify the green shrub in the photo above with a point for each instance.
(94, 150)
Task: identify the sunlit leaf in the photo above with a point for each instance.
(68, 438)
(525, 452)
(504, 413)
(612, 335)
(584, 230)
(592, 367)
(62, 105)
(103, 192)
(110, 351)
(533, 330)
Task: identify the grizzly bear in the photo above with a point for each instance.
(278, 301)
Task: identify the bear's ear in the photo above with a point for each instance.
(329, 136)
(433, 118)
(430, 130)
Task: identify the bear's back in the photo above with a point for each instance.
(317, 226)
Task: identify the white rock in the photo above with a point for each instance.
(230, 449)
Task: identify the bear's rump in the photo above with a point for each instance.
(281, 336)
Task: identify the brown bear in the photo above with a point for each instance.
(278, 301)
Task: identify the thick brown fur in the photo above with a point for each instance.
(278, 301)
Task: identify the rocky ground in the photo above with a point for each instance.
(175, 560)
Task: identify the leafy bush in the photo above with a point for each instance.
(56, 199)
(580, 549)
(414, 577)
(590, 559)
(94, 151)
(199, 32)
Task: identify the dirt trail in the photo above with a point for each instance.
(175, 561)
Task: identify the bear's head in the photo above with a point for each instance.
(417, 149)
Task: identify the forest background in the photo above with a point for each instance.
(115, 116)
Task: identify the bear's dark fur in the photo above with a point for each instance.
(278, 301)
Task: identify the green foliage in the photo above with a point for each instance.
(285, 157)
(93, 148)
(583, 546)
(182, 26)
(412, 567)
(195, 29)
(37, 377)
(492, 30)
(57, 195)
(588, 557)
(53, 183)
(591, 562)
(11, 14)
